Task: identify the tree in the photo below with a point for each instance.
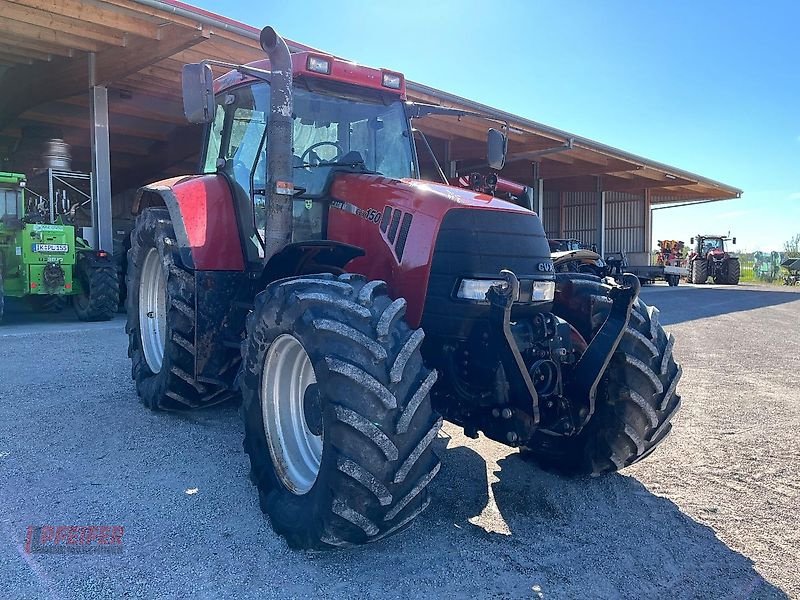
(792, 247)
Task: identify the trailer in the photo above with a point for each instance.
(669, 270)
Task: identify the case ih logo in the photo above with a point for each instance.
(73, 538)
(395, 225)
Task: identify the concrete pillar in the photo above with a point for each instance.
(102, 230)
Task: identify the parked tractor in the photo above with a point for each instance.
(710, 259)
(46, 263)
(353, 305)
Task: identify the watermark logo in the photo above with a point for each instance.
(67, 539)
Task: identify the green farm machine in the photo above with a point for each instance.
(45, 262)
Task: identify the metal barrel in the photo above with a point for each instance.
(57, 155)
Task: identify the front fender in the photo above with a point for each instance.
(204, 218)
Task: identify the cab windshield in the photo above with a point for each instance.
(710, 244)
(337, 129)
(330, 130)
(9, 201)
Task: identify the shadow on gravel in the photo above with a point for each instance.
(611, 535)
(688, 304)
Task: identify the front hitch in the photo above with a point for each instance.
(501, 299)
(589, 369)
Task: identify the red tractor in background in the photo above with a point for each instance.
(709, 258)
(309, 269)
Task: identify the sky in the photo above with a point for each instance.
(712, 87)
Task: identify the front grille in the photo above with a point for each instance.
(479, 244)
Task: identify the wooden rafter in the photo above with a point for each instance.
(63, 78)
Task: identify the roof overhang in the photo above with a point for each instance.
(138, 47)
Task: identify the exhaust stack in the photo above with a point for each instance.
(280, 186)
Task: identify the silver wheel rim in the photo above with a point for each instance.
(296, 452)
(153, 310)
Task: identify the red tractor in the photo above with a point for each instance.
(309, 269)
(709, 258)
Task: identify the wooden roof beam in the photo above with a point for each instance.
(97, 13)
(613, 184)
(12, 58)
(11, 50)
(44, 82)
(57, 22)
(36, 46)
(580, 168)
(52, 37)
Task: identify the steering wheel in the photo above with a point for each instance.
(310, 150)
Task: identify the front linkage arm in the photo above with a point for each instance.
(592, 364)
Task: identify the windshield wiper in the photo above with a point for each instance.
(336, 163)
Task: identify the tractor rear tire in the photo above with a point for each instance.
(161, 346)
(636, 398)
(46, 303)
(99, 298)
(733, 271)
(699, 271)
(367, 402)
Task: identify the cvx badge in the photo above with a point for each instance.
(545, 267)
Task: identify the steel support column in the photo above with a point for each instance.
(648, 224)
(538, 190)
(102, 231)
(601, 216)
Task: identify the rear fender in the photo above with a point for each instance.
(204, 217)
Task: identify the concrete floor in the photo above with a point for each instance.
(713, 513)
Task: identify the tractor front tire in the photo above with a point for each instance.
(161, 319)
(733, 271)
(99, 296)
(636, 398)
(337, 413)
(698, 271)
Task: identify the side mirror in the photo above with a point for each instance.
(496, 148)
(691, 240)
(197, 82)
(734, 241)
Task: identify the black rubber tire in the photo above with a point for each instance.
(100, 296)
(733, 271)
(174, 386)
(46, 303)
(699, 271)
(378, 423)
(636, 398)
(673, 280)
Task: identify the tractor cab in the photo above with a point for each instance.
(710, 244)
(12, 188)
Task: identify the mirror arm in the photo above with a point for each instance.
(435, 160)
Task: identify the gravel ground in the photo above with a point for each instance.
(713, 513)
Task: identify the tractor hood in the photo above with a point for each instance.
(425, 197)
(402, 223)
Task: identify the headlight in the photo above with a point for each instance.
(475, 289)
(543, 291)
